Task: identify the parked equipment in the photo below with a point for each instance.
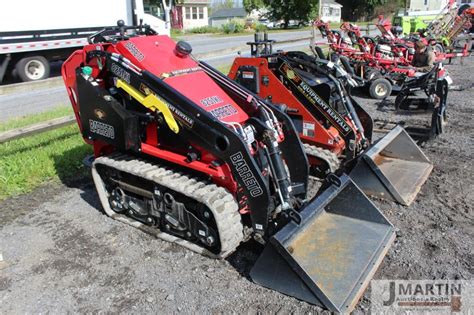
(387, 66)
(445, 38)
(432, 98)
(382, 67)
(36, 33)
(331, 124)
(188, 155)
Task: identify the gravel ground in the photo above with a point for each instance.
(61, 254)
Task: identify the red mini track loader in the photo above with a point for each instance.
(332, 125)
(185, 153)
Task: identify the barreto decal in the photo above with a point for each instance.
(134, 51)
(246, 175)
(223, 111)
(104, 130)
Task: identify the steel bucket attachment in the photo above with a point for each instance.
(328, 259)
(394, 168)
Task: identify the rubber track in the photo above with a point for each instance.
(323, 154)
(219, 201)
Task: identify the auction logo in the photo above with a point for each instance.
(422, 296)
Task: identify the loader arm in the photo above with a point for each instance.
(292, 149)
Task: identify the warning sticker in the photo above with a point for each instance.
(247, 75)
(308, 129)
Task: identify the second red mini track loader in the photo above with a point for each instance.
(332, 125)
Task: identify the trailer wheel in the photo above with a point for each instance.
(32, 68)
(380, 88)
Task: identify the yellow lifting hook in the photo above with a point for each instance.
(152, 102)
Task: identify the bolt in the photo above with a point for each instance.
(167, 227)
(207, 215)
(210, 240)
(130, 212)
(149, 220)
(188, 234)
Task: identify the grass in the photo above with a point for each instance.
(334, 25)
(176, 34)
(36, 118)
(55, 155)
(269, 31)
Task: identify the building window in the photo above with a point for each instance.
(201, 13)
(194, 13)
(326, 11)
(426, 2)
(188, 13)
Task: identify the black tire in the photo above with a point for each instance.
(380, 89)
(32, 68)
(372, 75)
(439, 48)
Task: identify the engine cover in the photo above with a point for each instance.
(158, 54)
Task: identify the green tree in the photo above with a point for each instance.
(223, 4)
(354, 10)
(250, 5)
(287, 10)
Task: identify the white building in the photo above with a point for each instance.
(426, 5)
(330, 11)
(190, 14)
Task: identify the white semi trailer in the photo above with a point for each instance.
(34, 33)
